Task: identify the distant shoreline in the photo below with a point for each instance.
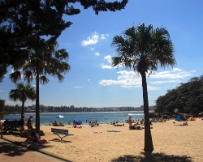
(78, 112)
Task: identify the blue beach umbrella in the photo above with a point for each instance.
(77, 122)
(59, 116)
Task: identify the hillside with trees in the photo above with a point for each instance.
(187, 98)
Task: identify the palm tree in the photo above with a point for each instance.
(142, 49)
(44, 59)
(22, 93)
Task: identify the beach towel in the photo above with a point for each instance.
(40, 142)
(96, 132)
(43, 141)
(113, 131)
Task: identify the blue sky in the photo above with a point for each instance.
(93, 82)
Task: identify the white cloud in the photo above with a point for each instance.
(109, 66)
(103, 36)
(93, 39)
(97, 54)
(77, 87)
(108, 58)
(166, 81)
(126, 80)
(106, 66)
(173, 74)
(130, 79)
(176, 69)
(149, 87)
(12, 70)
(92, 49)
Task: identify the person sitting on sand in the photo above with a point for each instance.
(93, 124)
(138, 127)
(61, 124)
(77, 126)
(55, 123)
(183, 124)
(142, 121)
(29, 123)
(34, 137)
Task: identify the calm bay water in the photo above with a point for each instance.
(100, 117)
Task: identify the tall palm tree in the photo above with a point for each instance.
(143, 49)
(22, 93)
(44, 60)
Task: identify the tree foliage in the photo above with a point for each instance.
(22, 93)
(143, 49)
(44, 59)
(187, 98)
(31, 28)
(24, 21)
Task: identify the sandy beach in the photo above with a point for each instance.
(96, 144)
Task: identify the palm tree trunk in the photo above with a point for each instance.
(22, 109)
(148, 144)
(37, 103)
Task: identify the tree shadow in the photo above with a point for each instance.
(152, 157)
(35, 147)
(59, 140)
(8, 149)
(13, 149)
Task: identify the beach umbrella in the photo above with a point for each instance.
(60, 116)
(77, 122)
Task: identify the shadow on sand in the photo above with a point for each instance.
(8, 149)
(13, 149)
(150, 157)
(61, 141)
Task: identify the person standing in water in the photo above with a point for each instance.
(130, 121)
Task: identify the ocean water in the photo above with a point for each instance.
(86, 117)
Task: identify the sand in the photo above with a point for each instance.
(96, 144)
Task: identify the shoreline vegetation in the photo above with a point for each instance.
(106, 142)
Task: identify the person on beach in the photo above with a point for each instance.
(183, 124)
(55, 123)
(130, 121)
(29, 123)
(1, 129)
(77, 126)
(22, 124)
(34, 137)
